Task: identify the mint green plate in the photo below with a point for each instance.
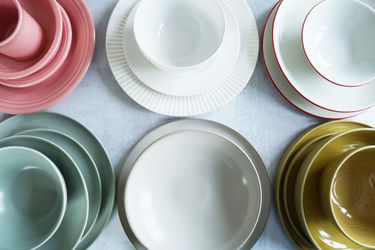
(83, 136)
(85, 164)
(74, 221)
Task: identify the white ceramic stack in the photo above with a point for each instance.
(185, 57)
(322, 61)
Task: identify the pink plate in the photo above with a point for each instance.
(51, 67)
(48, 15)
(64, 80)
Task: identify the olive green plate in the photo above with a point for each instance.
(84, 162)
(74, 221)
(84, 137)
(287, 175)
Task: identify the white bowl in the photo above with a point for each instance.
(193, 190)
(179, 35)
(338, 38)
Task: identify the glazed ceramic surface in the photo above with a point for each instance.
(48, 16)
(322, 232)
(208, 198)
(33, 198)
(69, 75)
(74, 221)
(197, 81)
(282, 84)
(179, 35)
(338, 41)
(288, 172)
(299, 73)
(83, 136)
(347, 194)
(225, 91)
(85, 164)
(202, 126)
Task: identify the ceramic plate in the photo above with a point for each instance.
(288, 171)
(205, 126)
(70, 74)
(223, 93)
(300, 74)
(74, 222)
(84, 137)
(85, 164)
(283, 86)
(188, 84)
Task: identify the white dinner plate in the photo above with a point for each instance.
(188, 84)
(283, 86)
(287, 29)
(221, 94)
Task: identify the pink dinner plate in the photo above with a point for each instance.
(48, 15)
(64, 80)
(51, 67)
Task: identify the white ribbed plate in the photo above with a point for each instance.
(221, 94)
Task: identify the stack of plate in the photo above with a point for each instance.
(67, 47)
(193, 184)
(322, 62)
(324, 187)
(73, 207)
(182, 58)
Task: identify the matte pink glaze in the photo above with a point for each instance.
(48, 15)
(53, 66)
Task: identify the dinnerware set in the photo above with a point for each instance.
(57, 183)
(182, 58)
(211, 192)
(324, 187)
(45, 50)
(322, 62)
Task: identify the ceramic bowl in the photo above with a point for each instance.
(179, 36)
(33, 198)
(347, 189)
(338, 39)
(207, 199)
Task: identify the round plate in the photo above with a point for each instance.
(83, 136)
(281, 83)
(53, 65)
(299, 73)
(188, 84)
(223, 93)
(74, 222)
(85, 164)
(205, 126)
(317, 225)
(288, 171)
(67, 77)
(48, 16)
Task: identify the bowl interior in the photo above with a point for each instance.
(353, 197)
(32, 198)
(9, 17)
(179, 33)
(206, 194)
(338, 38)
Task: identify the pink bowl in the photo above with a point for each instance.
(48, 15)
(64, 80)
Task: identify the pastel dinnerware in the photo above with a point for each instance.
(338, 38)
(21, 37)
(179, 36)
(207, 199)
(47, 14)
(33, 198)
(348, 194)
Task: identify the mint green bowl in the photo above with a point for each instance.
(33, 198)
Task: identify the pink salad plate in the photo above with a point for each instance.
(48, 15)
(67, 77)
(52, 66)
